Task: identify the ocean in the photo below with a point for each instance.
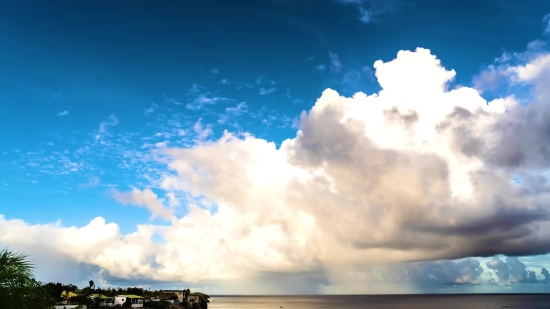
(447, 301)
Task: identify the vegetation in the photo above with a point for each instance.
(18, 288)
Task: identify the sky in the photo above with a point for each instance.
(278, 146)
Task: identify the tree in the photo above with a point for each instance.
(18, 288)
(70, 288)
(82, 300)
(127, 303)
(91, 283)
(55, 289)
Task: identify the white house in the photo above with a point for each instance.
(102, 299)
(137, 301)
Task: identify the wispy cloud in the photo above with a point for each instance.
(321, 67)
(201, 131)
(266, 91)
(240, 108)
(151, 109)
(215, 71)
(92, 182)
(228, 118)
(205, 99)
(264, 81)
(246, 85)
(195, 88)
(174, 101)
(335, 63)
(57, 95)
(224, 81)
(200, 97)
(111, 121)
(546, 21)
(368, 9)
(63, 113)
(365, 15)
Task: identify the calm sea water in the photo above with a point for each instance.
(523, 301)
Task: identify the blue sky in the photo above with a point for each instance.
(89, 89)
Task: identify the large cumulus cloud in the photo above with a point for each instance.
(415, 172)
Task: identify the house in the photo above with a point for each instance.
(179, 293)
(170, 297)
(137, 301)
(103, 300)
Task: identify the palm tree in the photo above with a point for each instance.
(91, 283)
(18, 288)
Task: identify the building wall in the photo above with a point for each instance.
(119, 300)
(177, 292)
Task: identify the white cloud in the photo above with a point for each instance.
(321, 67)
(145, 198)
(532, 71)
(335, 63)
(530, 68)
(215, 71)
(163, 144)
(546, 21)
(414, 172)
(63, 113)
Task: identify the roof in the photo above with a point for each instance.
(99, 296)
(166, 296)
(130, 296)
(70, 294)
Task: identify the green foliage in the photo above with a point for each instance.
(135, 291)
(18, 288)
(201, 296)
(54, 289)
(70, 288)
(82, 300)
